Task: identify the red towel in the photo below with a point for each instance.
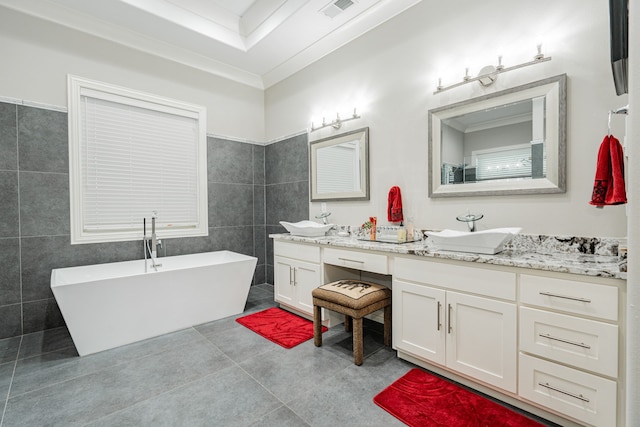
(394, 208)
(608, 188)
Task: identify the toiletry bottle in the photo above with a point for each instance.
(374, 225)
(402, 234)
(410, 229)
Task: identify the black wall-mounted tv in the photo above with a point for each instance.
(619, 26)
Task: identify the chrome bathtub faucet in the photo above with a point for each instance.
(151, 243)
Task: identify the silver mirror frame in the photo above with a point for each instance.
(363, 136)
(555, 182)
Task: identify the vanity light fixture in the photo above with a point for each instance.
(489, 74)
(335, 123)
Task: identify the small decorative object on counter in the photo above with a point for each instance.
(371, 225)
(402, 234)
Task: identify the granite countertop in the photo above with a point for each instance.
(585, 256)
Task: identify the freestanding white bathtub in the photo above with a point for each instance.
(109, 305)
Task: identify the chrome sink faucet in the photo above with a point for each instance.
(470, 219)
(324, 216)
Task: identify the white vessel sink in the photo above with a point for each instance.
(480, 242)
(306, 228)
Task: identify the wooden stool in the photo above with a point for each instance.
(355, 299)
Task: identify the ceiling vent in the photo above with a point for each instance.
(336, 7)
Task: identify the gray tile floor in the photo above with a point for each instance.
(216, 374)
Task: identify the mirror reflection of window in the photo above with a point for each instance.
(338, 168)
(504, 163)
(504, 142)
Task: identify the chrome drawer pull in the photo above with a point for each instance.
(449, 319)
(578, 344)
(576, 396)
(438, 316)
(549, 294)
(351, 260)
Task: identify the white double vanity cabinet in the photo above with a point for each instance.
(549, 342)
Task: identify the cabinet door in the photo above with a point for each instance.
(418, 320)
(481, 339)
(283, 278)
(306, 277)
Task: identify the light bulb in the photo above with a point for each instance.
(540, 55)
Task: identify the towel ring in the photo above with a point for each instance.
(622, 110)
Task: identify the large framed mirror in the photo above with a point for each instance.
(339, 167)
(508, 142)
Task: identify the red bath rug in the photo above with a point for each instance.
(279, 326)
(420, 399)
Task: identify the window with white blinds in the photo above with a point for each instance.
(133, 154)
(510, 162)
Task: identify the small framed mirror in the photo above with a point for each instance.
(509, 142)
(339, 167)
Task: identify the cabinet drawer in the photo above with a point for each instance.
(297, 251)
(585, 344)
(482, 281)
(585, 397)
(571, 296)
(364, 261)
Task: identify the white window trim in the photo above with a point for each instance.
(78, 87)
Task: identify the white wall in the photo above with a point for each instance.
(453, 150)
(390, 75)
(486, 139)
(38, 55)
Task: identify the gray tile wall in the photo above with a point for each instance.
(287, 187)
(34, 214)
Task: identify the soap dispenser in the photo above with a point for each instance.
(402, 234)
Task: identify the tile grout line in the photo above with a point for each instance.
(43, 387)
(13, 374)
(250, 376)
(19, 240)
(153, 397)
(99, 370)
(169, 390)
(253, 205)
(284, 404)
(201, 335)
(149, 398)
(45, 172)
(257, 382)
(88, 373)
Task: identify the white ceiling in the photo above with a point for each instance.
(255, 42)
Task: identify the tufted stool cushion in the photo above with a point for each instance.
(355, 299)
